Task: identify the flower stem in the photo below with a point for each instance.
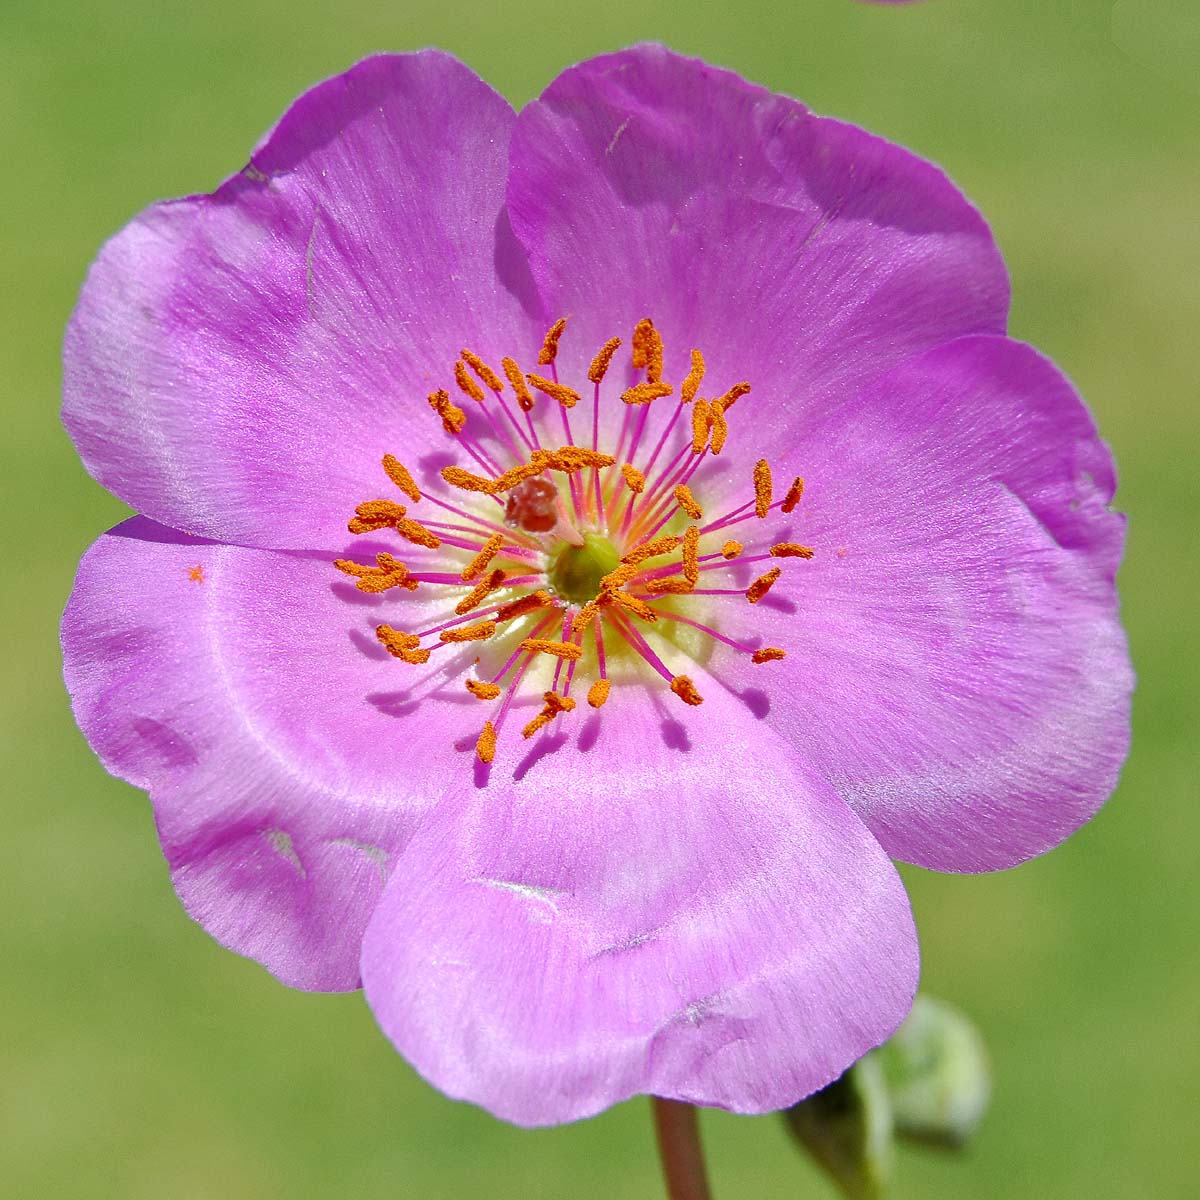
(677, 1127)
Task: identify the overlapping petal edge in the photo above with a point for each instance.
(573, 933)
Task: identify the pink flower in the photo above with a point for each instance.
(738, 700)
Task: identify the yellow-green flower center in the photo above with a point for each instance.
(576, 571)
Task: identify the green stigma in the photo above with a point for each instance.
(576, 571)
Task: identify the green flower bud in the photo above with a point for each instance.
(937, 1075)
(847, 1128)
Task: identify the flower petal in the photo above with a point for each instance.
(250, 698)
(955, 661)
(795, 251)
(687, 911)
(239, 363)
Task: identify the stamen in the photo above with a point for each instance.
(487, 376)
(701, 426)
(791, 550)
(619, 577)
(584, 617)
(793, 495)
(466, 384)
(686, 501)
(662, 545)
(470, 633)
(598, 693)
(480, 592)
(685, 689)
(762, 585)
(731, 549)
(648, 349)
(691, 563)
(414, 531)
(486, 746)
(669, 586)
(559, 649)
(453, 417)
(489, 551)
(732, 396)
(634, 478)
(719, 426)
(399, 475)
(389, 573)
(639, 608)
(762, 488)
(403, 646)
(555, 704)
(600, 363)
(525, 604)
(566, 396)
(768, 654)
(691, 385)
(549, 350)
(373, 515)
(575, 458)
(517, 378)
(644, 393)
(482, 689)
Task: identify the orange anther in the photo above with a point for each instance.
(487, 376)
(671, 586)
(517, 378)
(768, 654)
(685, 689)
(479, 592)
(762, 585)
(404, 646)
(691, 385)
(479, 632)
(558, 649)
(466, 384)
(660, 545)
(701, 424)
(372, 515)
(732, 396)
(762, 488)
(648, 349)
(691, 561)
(575, 458)
(549, 350)
(399, 475)
(619, 577)
(793, 495)
(644, 393)
(453, 417)
(485, 747)
(566, 396)
(464, 480)
(639, 608)
(791, 550)
(414, 531)
(687, 502)
(634, 478)
(525, 604)
(731, 549)
(584, 617)
(488, 551)
(600, 363)
(598, 693)
(482, 689)
(719, 426)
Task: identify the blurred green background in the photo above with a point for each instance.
(139, 1060)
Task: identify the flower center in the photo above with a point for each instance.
(552, 558)
(576, 572)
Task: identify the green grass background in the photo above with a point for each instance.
(139, 1060)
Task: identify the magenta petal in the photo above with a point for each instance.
(239, 363)
(235, 686)
(957, 666)
(709, 923)
(797, 252)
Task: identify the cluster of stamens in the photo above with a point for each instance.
(580, 545)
